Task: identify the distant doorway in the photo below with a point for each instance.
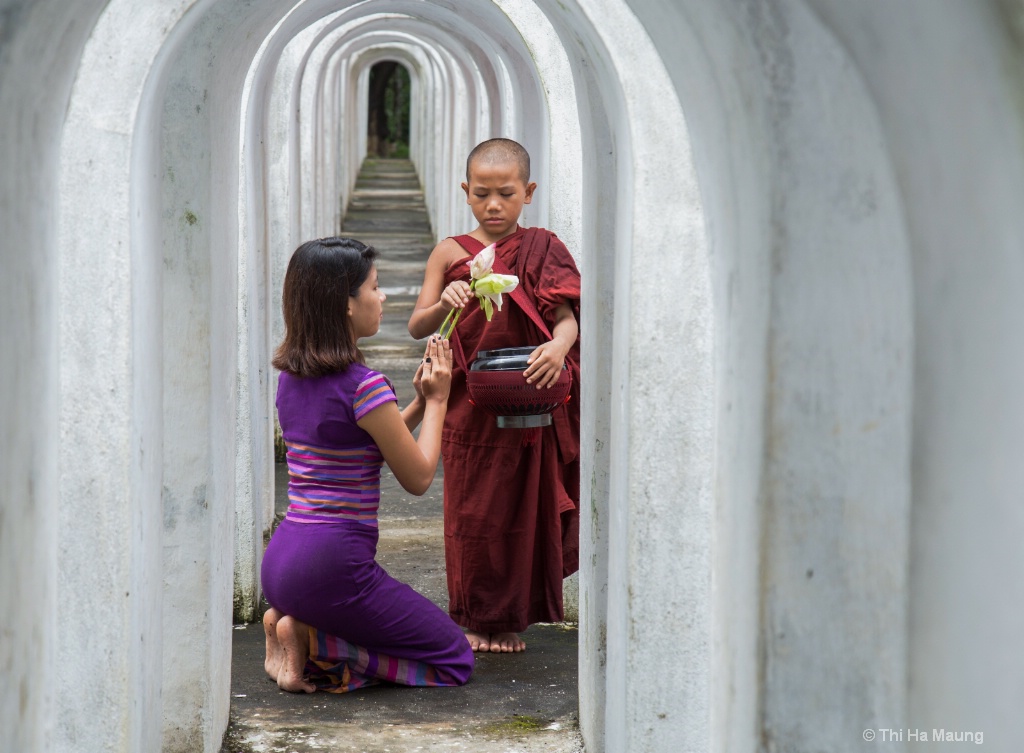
(388, 112)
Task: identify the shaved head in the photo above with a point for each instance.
(501, 152)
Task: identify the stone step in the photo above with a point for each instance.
(410, 180)
(387, 210)
(377, 205)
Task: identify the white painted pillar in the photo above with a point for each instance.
(598, 94)
(661, 439)
(836, 490)
(41, 45)
(306, 178)
(256, 382)
(662, 435)
(152, 223)
(432, 180)
(283, 56)
(716, 71)
(199, 194)
(960, 179)
(111, 418)
(417, 110)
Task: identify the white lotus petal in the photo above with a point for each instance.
(480, 265)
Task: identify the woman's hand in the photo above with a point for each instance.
(456, 295)
(545, 364)
(417, 380)
(413, 460)
(435, 373)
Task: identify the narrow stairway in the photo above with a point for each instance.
(387, 211)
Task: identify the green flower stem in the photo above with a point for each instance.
(449, 321)
(445, 323)
(447, 333)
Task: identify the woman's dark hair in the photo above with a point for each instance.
(321, 276)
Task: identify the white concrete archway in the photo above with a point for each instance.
(294, 140)
(186, 533)
(833, 235)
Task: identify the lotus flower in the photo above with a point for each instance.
(486, 285)
(480, 265)
(489, 288)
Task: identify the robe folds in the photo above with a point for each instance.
(511, 496)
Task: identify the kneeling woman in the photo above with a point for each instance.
(338, 621)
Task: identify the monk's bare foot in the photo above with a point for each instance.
(275, 654)
(294, 638)
(506, 643)
(478, 641)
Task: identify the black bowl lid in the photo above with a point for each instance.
(504, 352)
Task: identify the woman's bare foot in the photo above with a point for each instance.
(506, 643)
(478, 641)
(275, 654)
(294, 639)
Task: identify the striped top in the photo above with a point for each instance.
(333, 465)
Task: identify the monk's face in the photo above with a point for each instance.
(496, 192)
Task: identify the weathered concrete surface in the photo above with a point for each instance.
(525, 702)
(859, 169)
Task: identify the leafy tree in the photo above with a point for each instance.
(388, 126)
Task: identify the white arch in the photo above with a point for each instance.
(184, 71)
(463, 24)
(859, 421)
(337, 38)
(414, 58)
(38, 67)
(448, 76)
(652, 247)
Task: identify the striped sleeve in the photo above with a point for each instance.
(372, 393)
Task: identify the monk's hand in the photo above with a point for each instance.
(436, 376)
(545, 364)
(456, 295)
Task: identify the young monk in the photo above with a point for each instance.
(511, 496)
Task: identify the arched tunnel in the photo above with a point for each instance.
(797, 224)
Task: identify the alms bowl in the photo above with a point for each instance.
(496, 384)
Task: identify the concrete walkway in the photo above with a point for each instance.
(522, 703)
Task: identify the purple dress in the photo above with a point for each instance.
(319, 567)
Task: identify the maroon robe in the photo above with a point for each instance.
(511, 496)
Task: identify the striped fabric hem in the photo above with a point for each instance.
(337, 666)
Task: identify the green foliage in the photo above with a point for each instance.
(389, 103)
(396, 107)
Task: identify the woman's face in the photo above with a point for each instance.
(366, 307)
